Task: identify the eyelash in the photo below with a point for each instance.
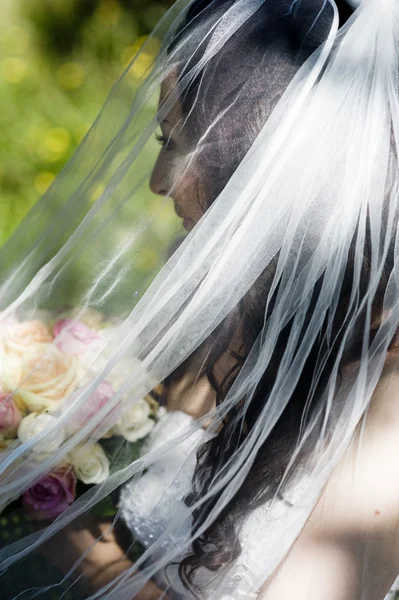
(165, 143)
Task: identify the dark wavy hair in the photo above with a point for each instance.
(255, 67)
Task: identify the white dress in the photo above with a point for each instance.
(145, 509)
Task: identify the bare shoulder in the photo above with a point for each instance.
(349, 548)
(369, 472)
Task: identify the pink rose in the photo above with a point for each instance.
(50, 496)
(10, 416)
(91, 406)
(74, 337)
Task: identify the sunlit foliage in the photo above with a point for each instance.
(58, 61)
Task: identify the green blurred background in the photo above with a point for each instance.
(58, 61)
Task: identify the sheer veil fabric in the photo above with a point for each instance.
(291, 147)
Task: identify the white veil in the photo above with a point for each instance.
(308, 215)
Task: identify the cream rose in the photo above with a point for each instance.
(33, 424)
(89, 316)
(7, 322)
(135, 423)
(41, 380)
(26, 336)
(90, 463)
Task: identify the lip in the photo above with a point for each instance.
(188, 223)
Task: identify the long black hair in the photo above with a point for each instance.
(255, 67)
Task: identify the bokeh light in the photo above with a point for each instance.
(43, 181)
(13, 69)
(71, 75)
(58, 61)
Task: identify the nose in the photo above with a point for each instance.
(158, 182)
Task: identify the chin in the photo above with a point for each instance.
(188, 224)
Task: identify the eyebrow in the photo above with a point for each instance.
(165, 121)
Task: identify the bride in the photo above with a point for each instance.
(273, 327)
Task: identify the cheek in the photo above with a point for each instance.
(192, 192)
(174, 176)
(190, 196)
(169, 173)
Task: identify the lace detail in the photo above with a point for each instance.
(146, 504)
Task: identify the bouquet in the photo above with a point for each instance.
(43, 363)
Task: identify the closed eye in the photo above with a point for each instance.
(164, 142)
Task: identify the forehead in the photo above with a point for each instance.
(168, 85)
(175, 113)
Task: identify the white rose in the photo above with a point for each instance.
(34, 424)
(135, 423)
(101, 351)
(90, 463)
(161, 413)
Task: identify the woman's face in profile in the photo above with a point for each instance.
(175, 174)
